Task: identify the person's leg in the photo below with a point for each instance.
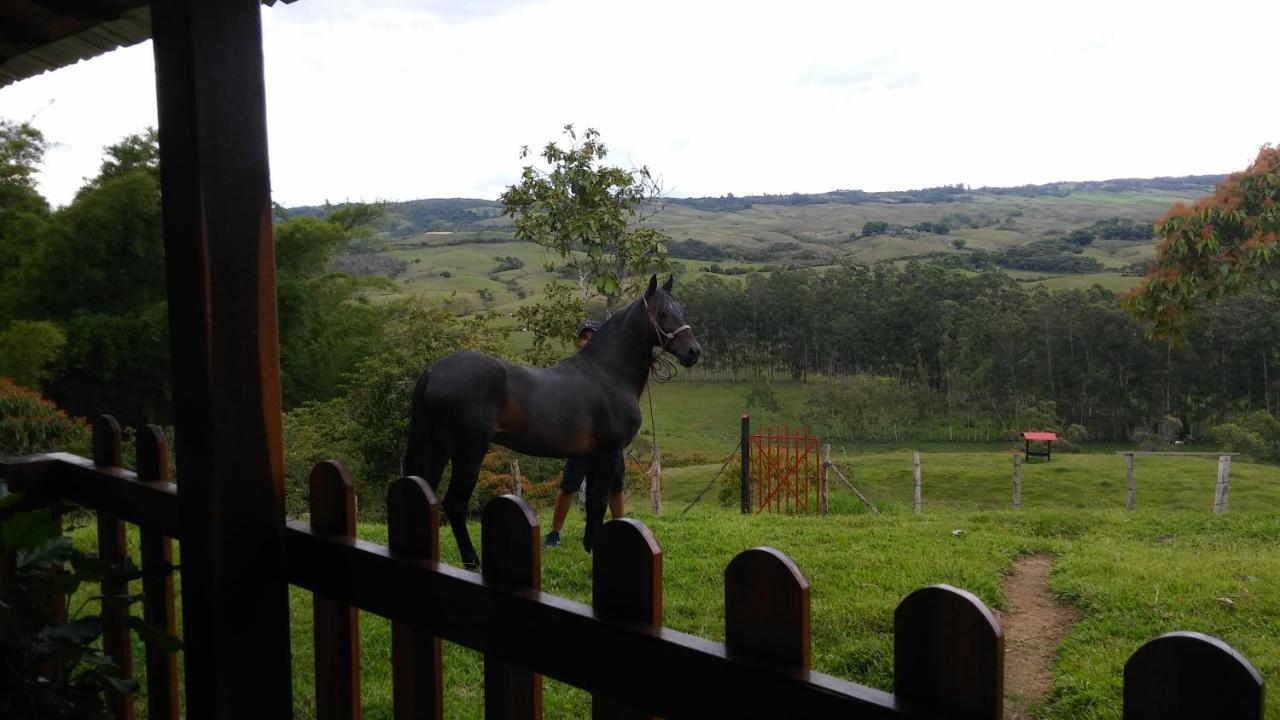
(563, 500)
(574, 471)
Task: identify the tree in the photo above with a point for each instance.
(23, 212)
(590, 214)
(1219, 246)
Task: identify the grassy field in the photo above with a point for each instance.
(1129, 576)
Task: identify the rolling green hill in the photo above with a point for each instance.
(453, 246)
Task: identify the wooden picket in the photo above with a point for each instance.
(417, 668)
(113, 548)
(510, 557)
(157, 582)
(336, 625)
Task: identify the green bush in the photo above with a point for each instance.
(30, 424)
(1257, 434)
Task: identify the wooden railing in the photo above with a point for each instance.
(948, 648)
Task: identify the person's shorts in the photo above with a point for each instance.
(575, 471)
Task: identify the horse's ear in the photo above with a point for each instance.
(671, 279)
(653, 285)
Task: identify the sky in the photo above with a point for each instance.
(404, 99)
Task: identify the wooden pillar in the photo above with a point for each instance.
(825, 478)
(745, 448)
(655, 481)
(1220, 492)
(915, 475)
(1130, 490)
(220, 267)
(1017, 480)
(517, 485)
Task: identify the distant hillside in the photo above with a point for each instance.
(413, 217)
(1059, 235)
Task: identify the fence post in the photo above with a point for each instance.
(413, 530)
(510, 555)
(655, 481)
(1220, 493)
(626, 584)
(766, 608)
(1017, 480)
(1185, 675)
(337, 630)
(112, 548)
(948, 654)
(1130, 490)
(157, 583)
(517, 487)
(745, 448)
(915, 474)
(826, 478)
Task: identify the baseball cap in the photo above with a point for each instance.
(586, 325)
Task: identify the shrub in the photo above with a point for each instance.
(31, 424)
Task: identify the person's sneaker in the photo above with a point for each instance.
(551, 540)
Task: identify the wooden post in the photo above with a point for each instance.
(336, 626)
(1220, 493)
(745, 448)
(112, 548)
(626, 584)
(948, 654)
(224, 353)
(510, 555)
(825, 478)
(655, 481)
(517, 487)
(915, 474)
(1130, 490)
(1017, 480)
(766, 609)
(1185, 675)
(413, 530)
(157, 583)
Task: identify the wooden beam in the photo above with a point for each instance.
(220, 267)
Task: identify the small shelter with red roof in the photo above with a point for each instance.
(1045, 437)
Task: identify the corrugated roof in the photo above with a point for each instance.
(41, 35)
(1040, 436)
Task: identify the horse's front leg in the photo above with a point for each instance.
(604, 468)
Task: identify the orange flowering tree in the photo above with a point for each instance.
(1219, 246)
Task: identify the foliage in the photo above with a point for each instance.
(762, 397)
(326, 323)
(27, 351)
(553, 323)
(50, 667)
(590, 214)
(30, 424)
(1221, 245)
(1257, 434)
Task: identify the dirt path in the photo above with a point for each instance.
(1033, 624)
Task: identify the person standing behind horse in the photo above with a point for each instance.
(575, 470)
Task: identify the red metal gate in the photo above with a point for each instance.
(786, 469)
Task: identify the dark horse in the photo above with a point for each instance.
(586, 407)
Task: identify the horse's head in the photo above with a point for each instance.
(666, 318)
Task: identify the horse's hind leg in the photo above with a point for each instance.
(466, 469)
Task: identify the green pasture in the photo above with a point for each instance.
(1129, 576)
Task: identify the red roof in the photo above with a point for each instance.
(1040, 436)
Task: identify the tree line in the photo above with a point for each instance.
(986, 344)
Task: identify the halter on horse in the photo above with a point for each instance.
(586, 407)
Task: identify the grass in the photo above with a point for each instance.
(1131, 576)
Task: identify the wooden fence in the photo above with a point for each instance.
(948, 647)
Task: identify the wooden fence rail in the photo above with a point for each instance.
(948, 648)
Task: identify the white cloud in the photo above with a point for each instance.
(398, 100)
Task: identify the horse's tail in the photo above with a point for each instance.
(415, 453)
